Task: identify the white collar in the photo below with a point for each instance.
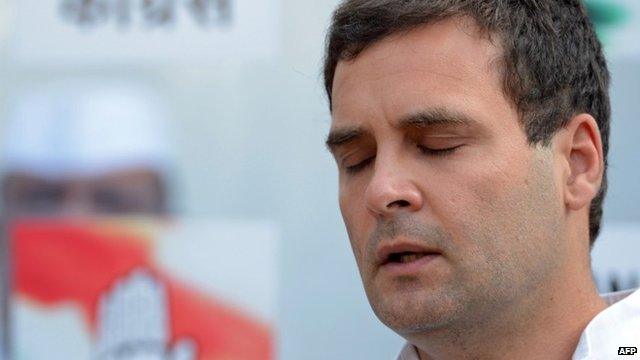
(614, 327)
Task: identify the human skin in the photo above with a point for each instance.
(505, 221)
(126, 191)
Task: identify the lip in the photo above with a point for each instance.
(411, 267)
(383, 253)
(385, 250)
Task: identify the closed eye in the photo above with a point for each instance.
(425, 150)
(359, 166)
(438, 152)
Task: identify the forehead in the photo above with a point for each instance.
(447, 64)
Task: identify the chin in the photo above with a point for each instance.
(414, 311)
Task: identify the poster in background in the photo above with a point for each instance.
(181, 290)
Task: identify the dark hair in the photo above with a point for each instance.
(552, 66)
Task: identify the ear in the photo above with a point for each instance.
(580, 150)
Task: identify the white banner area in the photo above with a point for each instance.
(615, 258)
(89, 32)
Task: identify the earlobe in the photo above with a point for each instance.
(582, 149)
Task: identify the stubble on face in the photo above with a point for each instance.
(492, 269)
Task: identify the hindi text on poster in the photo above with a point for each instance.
(146, 13)
(80, 33)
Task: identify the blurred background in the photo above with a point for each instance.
(214, 109)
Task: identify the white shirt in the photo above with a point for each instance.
(616, 326)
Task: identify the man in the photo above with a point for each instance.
(471, 141)
(81, 148)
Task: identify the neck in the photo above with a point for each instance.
(546, 324)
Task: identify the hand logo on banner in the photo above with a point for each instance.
(133, 322)
(133, 308)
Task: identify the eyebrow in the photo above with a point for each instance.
(434, 117)
(339, 137)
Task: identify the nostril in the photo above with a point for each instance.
(399, 203)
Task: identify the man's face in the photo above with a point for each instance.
(451, 214)
(132, 191)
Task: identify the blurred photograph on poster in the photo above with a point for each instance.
(143, 289)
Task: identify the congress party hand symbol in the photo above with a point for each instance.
(134, 324)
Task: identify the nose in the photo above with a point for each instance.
(392, 189)
(76, 208)
(76, 203)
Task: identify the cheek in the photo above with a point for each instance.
(481, 196)
(497, 183)
(357, 220)
(511, 209)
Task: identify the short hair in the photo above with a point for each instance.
(552, 65)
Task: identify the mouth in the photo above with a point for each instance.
(405, 258)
